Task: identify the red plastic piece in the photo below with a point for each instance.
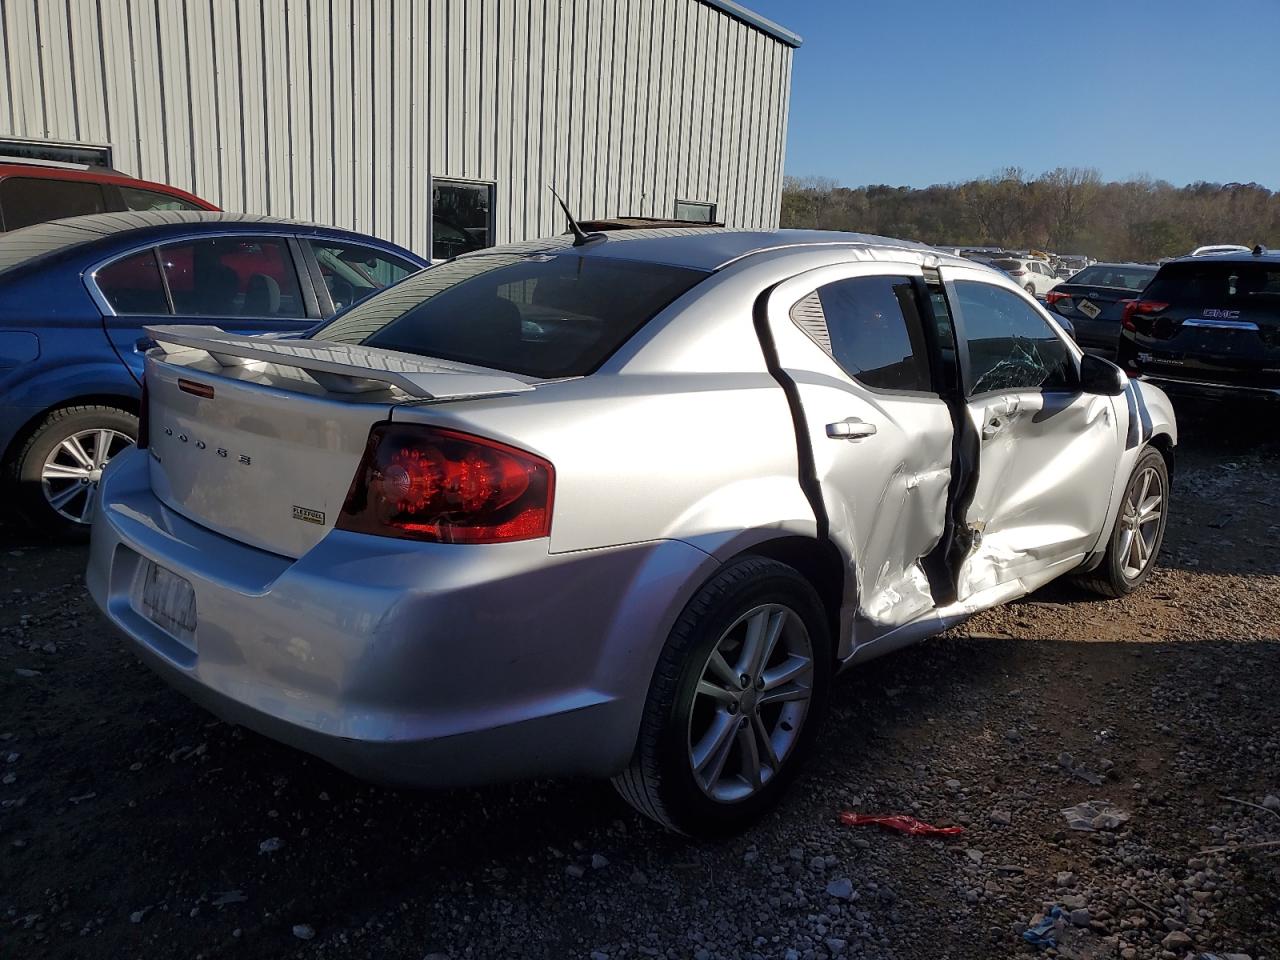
(900, 822)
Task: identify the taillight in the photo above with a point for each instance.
(144, 417)
(1017, 273)
(1053, 297)
(1144, 307)
(427, 483)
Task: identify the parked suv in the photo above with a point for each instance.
(75, 295)
(33, 193)
(1208, 325)
(1034, 276)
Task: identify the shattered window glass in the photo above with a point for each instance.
(1011, 347)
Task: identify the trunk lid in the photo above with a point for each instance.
(259, 440)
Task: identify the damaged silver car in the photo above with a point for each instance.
(621, 506)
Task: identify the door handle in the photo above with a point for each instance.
(850, 429)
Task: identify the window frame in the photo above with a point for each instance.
(950, 276)
(301, 266)
(490, 185)
(709, 205)
(924, 314)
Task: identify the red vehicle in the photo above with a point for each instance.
(37, 192)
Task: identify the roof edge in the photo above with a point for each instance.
(753, 19)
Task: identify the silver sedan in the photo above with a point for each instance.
(620, 507)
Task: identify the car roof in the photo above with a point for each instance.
(1233, 256)
(90, 174)
(1123, 264)
(102, 232)
(713, 248)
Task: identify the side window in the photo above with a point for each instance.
(233, 277)
(1011, 347)
(352, 271)
(28, 200)
(132, 285)
(136, 199)
(871, 327)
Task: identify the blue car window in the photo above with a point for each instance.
(132, 285)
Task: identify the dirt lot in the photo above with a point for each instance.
(135, 825)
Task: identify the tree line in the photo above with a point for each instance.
(1067, 210)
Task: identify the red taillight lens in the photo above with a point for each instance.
(1144, 307)
(1017, 273)
(144, 417)
(1053, 297)
(427, 483)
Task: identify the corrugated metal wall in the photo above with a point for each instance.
(341, 111)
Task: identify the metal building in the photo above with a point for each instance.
(360, 112)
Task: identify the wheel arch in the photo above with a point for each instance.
(818, 561)
(27, 428)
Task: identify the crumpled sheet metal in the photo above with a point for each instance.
(1095, 815)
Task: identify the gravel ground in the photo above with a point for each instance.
(132, 824)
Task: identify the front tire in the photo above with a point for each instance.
(58, 467)
(736, 700)
(1138, 531)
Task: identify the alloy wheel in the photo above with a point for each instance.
(751, 701)
(70, 474)
(1140, 522)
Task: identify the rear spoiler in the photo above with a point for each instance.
(340, 367)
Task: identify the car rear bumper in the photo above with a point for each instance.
(415, 663)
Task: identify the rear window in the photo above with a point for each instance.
(1241, 285)
(1007, 264)
(1125, 278)
(542, 316)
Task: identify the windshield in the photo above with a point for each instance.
(539, 315)
(1126, 278)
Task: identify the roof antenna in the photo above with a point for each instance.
(580, 236)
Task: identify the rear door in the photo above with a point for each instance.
(241, 283)
(852, 347)
(1048, 451)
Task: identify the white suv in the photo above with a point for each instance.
(1034, 276)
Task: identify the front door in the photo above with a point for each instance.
(850, 340)
(1047, 450)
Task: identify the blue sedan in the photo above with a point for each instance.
(75, 294)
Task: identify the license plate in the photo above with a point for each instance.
(168, 601)
(1088, 308)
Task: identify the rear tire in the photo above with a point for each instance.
(735, 703)
(57, 469)
(1135, 541)
(1030, 288)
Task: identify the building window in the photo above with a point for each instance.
(696, 211)
(48, 151)
(461, 217)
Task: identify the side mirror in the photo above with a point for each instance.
(1101, 377)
